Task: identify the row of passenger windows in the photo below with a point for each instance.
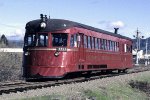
(95, 43)
(98, 43)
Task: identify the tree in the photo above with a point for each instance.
(3, 41)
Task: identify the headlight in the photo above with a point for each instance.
(43, 25)
(56, 53)
(26, 53)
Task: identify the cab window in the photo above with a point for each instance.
(59, 39)
(36, 40)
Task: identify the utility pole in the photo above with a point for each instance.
(137, 36)
(146, 56)
(146, 46)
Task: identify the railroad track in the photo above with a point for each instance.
(20, 86)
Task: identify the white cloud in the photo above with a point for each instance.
(118, 24)
(16, 34)
(110, 25)
(15, 30)
(19, 32)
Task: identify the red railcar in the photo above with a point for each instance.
(55, 47)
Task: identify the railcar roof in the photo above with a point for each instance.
(60, 24)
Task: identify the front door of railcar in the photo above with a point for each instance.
(81, 47)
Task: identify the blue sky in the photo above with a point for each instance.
(103, 14)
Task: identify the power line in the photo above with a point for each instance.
(10, 26)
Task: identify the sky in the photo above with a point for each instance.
(128, 15)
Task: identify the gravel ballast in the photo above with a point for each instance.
(75, 90)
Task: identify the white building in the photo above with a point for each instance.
(11, 50)
(139, 53)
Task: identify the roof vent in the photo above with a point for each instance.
(116, 30)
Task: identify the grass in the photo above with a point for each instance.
(116, 92)
(119, 91)
(95, 95)
(49, 97)
(143, 78)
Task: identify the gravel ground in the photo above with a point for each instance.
(10, 66)
(74, 90)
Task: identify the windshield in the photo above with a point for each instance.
(59, 39)
(40, 40)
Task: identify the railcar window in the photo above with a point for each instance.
(72, 41)
(85, 41)
(100, 43)
(102, 46)
(89, 42)
(75, 40)
(92, 42)
(42, 40)
(96, 43)
(33, 40)
(131, 49)
(114, 46)
(111, 46)
(29, 39)
(59, 39)
(107, 48)
(128, 48)
(125, 47)
(108, 43)
(117, 46)
(105, 44)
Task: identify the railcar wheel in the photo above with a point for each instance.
(87, 75)
(108, 71)
(119, 71)
(103, 71)
(124, 71)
